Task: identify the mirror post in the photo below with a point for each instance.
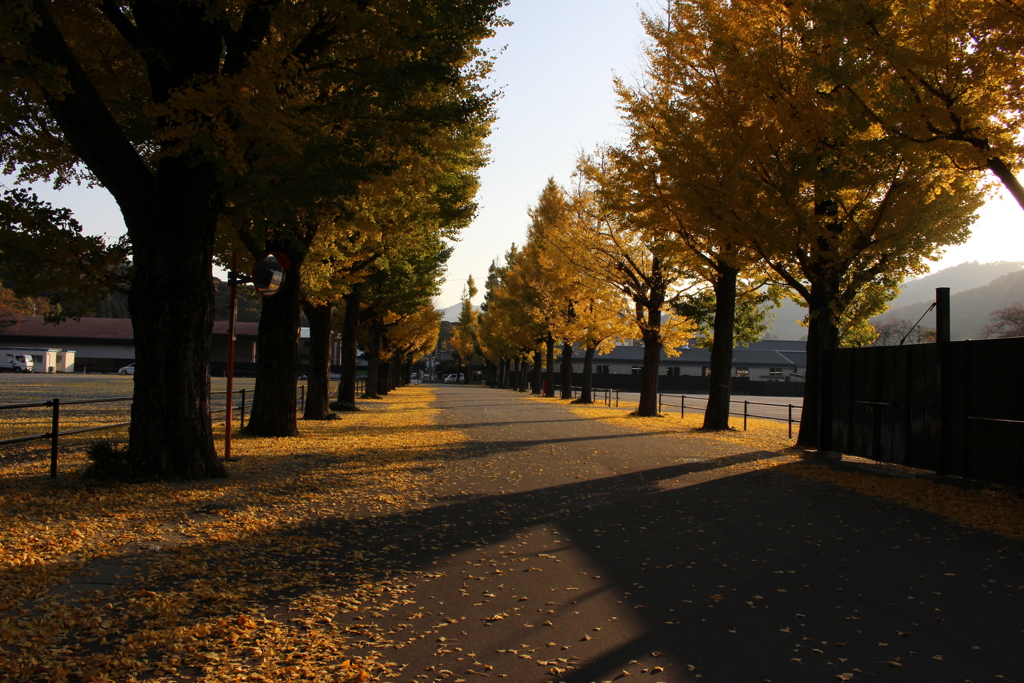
(268, 275)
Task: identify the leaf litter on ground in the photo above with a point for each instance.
(218, 580)
(990, 508)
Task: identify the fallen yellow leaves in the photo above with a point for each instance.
(990, 509)
(983, 508)
(761, 435)
(165, 581)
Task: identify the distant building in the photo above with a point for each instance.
(43, 359)
(106, 344)
(763, 361)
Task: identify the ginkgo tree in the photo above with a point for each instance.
(578, 308)
(509, 331)
(635, 259)
(944, 74)
(45, 258)
(839, 209)
(465, 337)
(552, 279)
(171, 105)
(680, 166)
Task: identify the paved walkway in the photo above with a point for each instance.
(560, 548)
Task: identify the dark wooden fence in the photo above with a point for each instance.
(887, 404)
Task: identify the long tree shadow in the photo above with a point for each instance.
(758, 574)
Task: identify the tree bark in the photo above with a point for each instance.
(1009, 180)
(349, 351)
(171, 213)
(277, 363)
(523, 367)
(567, 370)
(373, 361)
(716, 415)
(171, 304)
(318, 391)
(587, 388)
(537, 372)
(648, 404)
(549, 345)
(822, 334)
(383, 377)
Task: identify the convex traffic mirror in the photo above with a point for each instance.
(268, 275)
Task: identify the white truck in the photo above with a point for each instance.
(16, 361)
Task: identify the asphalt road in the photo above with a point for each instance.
(558, 548)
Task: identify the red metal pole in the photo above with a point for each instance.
(231, 357)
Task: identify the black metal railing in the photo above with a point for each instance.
(746, 414)
(55, 433)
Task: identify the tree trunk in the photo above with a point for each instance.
(567, 370)
(1009, 180)
(277, 363)
(648, 405)
(822, 334)
(373, 361)
(349, 351)
(396, 370)
(171, 303)
(522, 375)
(384, 377)
(549, 344)
(537, 372)
(318, 392)
(587, 388)
(716, 415)
(171, 213)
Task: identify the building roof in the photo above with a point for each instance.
(765, 354)
(96, 329)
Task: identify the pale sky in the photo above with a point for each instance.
(556, 74)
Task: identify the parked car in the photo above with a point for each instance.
(127, 370)
(455, 379)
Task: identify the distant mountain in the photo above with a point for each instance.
(968, 315)
(451, 314)
(958, 278)
(970, 310)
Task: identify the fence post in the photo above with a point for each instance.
(945, 382)
(659, 401)
(54, 437)
(241, 412)
(791, 420)
(682, 406)
(745, 404)
(302, 398)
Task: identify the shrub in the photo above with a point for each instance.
(110, 462)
